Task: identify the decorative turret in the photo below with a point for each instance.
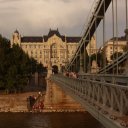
(16, 38)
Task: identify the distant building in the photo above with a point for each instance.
(114, 45)
(53, 48)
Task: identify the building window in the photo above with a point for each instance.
(46, 61)
(62, 61)
(55, 55)
(115, 48)
(54, 45)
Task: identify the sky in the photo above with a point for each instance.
(36, 17)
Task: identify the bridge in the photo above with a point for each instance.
(104, 93)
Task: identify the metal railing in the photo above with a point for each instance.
(99, 91)
(108, 78)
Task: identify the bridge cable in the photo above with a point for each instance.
(126, 15)
(126, 23)
(96, 45)
(117, 37)
(113, 19)
(82, 32)
(76, 64)
(84, 59)
(87, 19)
(104, 29)
(89, 52)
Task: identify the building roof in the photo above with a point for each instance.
(123, 38)
(31, 39)
(16, 31)
(50, 34)
(73, 39)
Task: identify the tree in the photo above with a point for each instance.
(16, 66)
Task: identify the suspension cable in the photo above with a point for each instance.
(104, 54)
(96, 45)
(126, 15)
(89, 52)
(84, 59)
(88, 16)
(117, 37)
(113, 20)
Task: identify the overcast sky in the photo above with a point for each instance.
(36, 17)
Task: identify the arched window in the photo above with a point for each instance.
(53, 46)
(54, 50)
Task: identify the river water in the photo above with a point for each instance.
(48, 120)
(55, 99)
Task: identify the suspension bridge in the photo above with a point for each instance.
(104, 93)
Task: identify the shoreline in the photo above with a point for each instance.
(46, 111)
(17, 103)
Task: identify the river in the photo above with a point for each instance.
(55, 99)
(48, 120)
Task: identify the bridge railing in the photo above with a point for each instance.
(108, 78)
(105, 96)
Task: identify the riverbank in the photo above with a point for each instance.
(18, 103)
(15, 102)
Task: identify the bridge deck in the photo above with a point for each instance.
(107, 102)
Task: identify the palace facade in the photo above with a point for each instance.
(53, 48)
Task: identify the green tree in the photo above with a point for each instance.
(16, 67)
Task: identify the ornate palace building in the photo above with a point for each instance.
(53, 48)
